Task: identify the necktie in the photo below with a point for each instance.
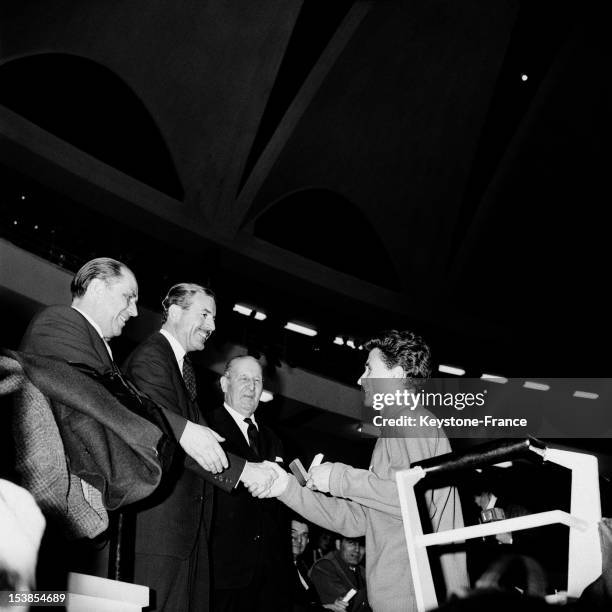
(253, 435)
(189, 378)
(358, 578)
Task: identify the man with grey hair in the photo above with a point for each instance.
(172, 525)
(248, 544)
(104, 298)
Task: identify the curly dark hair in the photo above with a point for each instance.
(404, 348)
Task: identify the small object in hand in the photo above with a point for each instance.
(492, 514)
(318, 458)
(349, 595)
(298, 471)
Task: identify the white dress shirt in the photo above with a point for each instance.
(240, 420)
(177, 348)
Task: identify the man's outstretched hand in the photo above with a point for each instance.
(202, 444)
(258, 478)
(280, 483)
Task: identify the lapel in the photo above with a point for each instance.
(188, 408)
(233, 435)
(350, 576)
(96, 342)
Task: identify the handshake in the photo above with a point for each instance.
(268, 479)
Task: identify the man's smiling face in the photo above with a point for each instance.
(194, 325)
(242, 385)
(117, 299)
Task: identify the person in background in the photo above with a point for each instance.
(324, 543)
(304, 595)
(339, 571)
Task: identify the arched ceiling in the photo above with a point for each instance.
(485, 190)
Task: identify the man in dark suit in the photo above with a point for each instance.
(302, 591)
(249, 553)
(172, 525)
(105, 293)
(104, 297)
(340, 571)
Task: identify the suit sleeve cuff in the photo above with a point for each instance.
(177, 423)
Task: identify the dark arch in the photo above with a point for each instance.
(326, 227)
(89, 106)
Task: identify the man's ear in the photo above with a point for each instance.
(174, 313)
(223, 383)
(398, 372)
(337, 543)
(96, 287)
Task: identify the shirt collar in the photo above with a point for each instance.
(97, 328)
(239, 418)
(91, 321)
(177, 348)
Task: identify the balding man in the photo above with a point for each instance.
(250, 559)
(172, 525)
(104, 297)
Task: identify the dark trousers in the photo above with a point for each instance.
(267, 592)
(58, 556)
(177, 585)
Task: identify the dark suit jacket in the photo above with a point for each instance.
(333, 578)
(246, 531)
(59, 412)
(169, 521)
(302, 599)
(61, 331)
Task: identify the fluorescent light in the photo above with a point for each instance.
(338, 340)
(301, 329)
(586, 394)
(242, 309)
(495, 378)
(503, 464)
(266, 396)
(260, 316)
(350, 344)
(451, 370)
(528, 384)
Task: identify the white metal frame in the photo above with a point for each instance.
(584, 562)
